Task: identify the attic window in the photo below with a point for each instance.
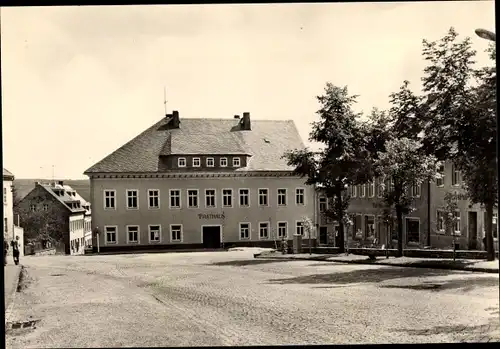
(181, 162)
(236, 162)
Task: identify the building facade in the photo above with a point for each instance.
(10, 228)
(424, 223)
(200, 183)
(57, 210)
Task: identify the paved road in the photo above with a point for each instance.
(229, 298)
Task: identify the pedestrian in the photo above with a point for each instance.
(5, 250)
(15, 249)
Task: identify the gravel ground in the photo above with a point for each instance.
(229, 298)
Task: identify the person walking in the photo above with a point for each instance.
(5, 250)
(15, 249)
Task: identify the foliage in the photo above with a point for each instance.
(308, 225)
(460, 120)
(449, 210)
(344, 159)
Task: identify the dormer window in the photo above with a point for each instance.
(181, 162)
(210, 162)
(236, 162)
(223, 162)
(196, 162)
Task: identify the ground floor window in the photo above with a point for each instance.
(110, 235)
(244, 231)
(154, 233)
(133, 233)
(264, 230)
(369, 225)
(412, 230)
(176, 232)
(299, 228)
(282, 229)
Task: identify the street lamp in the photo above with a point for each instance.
(486, 34)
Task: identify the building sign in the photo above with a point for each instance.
(211, 215)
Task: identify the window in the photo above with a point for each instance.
(154, 198)
(132, 199)
(456, 224)
(5, 225)
(244, 197)
(223, 162)
(109, 199)
(45, 207)
(371, 189)
(299, 228)
(413, 230)
(227, 197)
(263, 230)
(494, 227)
(209, 197)
(192, 198)
(362, 190)
(299, 196)
(132, 233)
(323, 204)
(181, 162)
(196, 162)
(236, 162)
(369, 225)
(176, 232)
(440, 226)
(33, 208)
(263, 197)
(111, 237)
(175, 198)
(440, 176)
(281, 197)
(380, 191)
(389, 185)
(210, 162)
(282, 230)
(455, 175)
(244, 231)
(5, 196)
(154, 233)
(353, 191)
(416, 190)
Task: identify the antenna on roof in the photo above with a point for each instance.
(165, 99)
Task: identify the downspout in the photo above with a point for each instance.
(429, 213)
(315, 215)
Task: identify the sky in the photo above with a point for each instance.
(79, 82)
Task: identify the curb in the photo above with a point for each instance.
(477, 270)
(8, 311)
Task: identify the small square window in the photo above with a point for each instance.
(196, 162)
(210, 162)
(236, 162)
(223, 162)
(181, 162)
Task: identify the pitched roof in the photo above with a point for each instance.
(266, 143)
(70, 195)
(7, 174)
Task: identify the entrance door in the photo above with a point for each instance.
(472, 228)
(323, 235)
(211, 236)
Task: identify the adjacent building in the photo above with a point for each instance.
(200, 183)
(57, 210)
(10, 228)
(424, 223)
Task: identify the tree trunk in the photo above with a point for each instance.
(490, 247)
(340, 221)
(399, 216)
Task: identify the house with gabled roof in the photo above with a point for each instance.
(57, 211)
(200, 183)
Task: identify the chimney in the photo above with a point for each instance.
(60, 182)
(174, 121)
(245, 122)
(236, 116)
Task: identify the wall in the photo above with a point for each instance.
(8, 212)
(190, 218)
(88, 230)
(18, 231)
(77, 234)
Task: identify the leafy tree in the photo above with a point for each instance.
(405, 166)
(450, 219)
(343, 161)
(460, 122)
(15, 197)
(41, 225)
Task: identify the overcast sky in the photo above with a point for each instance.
(79, 82)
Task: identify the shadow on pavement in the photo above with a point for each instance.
(245, 262)
(464, 285)
(363, 276)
